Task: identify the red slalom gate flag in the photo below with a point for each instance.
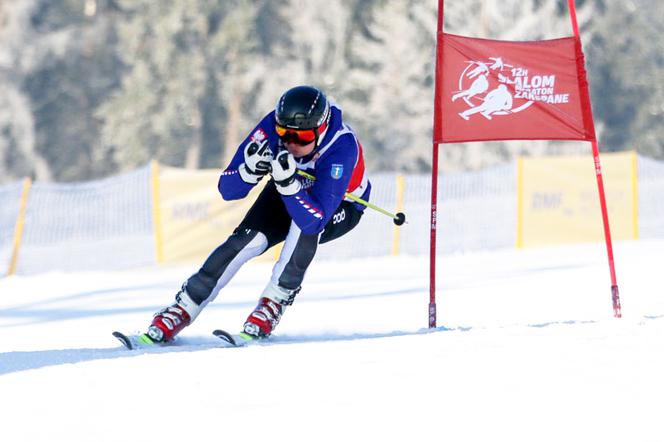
(504, 90)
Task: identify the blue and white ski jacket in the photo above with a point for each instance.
(337, 163)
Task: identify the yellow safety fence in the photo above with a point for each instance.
(191, 218)
(558, 202)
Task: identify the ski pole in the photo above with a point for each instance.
(399, 218)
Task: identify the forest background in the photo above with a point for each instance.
(92, 88)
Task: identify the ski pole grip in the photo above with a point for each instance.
(399, 218)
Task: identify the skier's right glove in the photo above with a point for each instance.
(257, 157)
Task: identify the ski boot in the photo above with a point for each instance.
(170, 321)
(267, 314)
(263, 319)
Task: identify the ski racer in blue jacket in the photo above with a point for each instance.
(305, 133)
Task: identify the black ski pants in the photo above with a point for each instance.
(266, 224)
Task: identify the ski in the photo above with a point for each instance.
(143, 341)
(133, 342)
(239, 340)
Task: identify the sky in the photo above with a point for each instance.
(526, 349)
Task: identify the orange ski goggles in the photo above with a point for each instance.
(299, 136)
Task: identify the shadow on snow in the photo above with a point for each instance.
(16, 361)
(33, 313)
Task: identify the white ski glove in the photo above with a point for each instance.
(257, 157)
(283, 173)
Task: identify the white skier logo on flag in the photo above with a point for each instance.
(483, 87)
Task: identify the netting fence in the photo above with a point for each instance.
(123, 221)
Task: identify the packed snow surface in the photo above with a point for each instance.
(527, 349)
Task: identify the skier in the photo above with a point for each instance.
(479, 85)
(305, 132)
(499, 99)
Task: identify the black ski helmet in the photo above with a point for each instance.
(303, 108)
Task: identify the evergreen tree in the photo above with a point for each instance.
(626, 69)
(157, 114)
(388, 90)
(89, 88)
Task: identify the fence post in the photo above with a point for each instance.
(635, 195)
(519, 202)
(156, 212)
(396, 235)
(18, 228)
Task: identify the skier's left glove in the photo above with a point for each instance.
(284, 170)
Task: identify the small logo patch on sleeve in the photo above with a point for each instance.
(258, 135)
(337, 171)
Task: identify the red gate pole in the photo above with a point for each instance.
(615, 294)
(434, 169)
(432, 248)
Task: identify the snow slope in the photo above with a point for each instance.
(527, 350)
